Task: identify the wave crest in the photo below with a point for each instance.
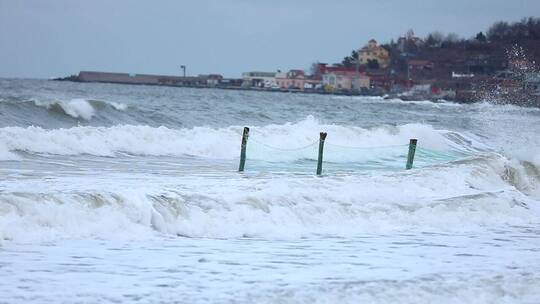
(271, 142)
(79, 108)
(276, 208)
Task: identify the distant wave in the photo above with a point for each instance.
(383, 100)
(79, 108)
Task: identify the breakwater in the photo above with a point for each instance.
(145, 79)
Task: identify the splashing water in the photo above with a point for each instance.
(511, 86)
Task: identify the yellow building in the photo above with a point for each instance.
(372, 51)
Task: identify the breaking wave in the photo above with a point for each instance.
(79, 108)
(291, 141)
(456, 198)
(481, 190)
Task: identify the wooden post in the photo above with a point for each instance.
(322, 137)
(243, 147)
(412, 150)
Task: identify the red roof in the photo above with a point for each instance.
(346, 73)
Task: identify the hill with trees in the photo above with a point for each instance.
(484, 54)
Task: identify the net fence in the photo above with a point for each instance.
(302, 156)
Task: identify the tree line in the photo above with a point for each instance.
(500, 32)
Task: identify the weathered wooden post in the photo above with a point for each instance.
(243, 147)
(412, 150)
(322, 137)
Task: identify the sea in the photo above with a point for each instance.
(131, 194)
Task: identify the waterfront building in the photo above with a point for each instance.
(372, 51)
(312, 84)
(212, 80)
(294, 79)
(381, 81)
(297, 80)
(281, 80)
(259, 79)
(342, 80)
(323, 68)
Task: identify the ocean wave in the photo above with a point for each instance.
(504, 107)
(79, 108)
(290, 141)
(450, 199)
(385, 100)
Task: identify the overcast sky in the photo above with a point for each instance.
(60, 37)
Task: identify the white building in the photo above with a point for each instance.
(259, 79)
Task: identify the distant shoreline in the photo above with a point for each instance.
(75, 78)
(202, 82)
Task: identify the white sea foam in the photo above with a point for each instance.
(472, 196)
(5, 154)
(70, 216)
(506, 287)
(482, 191)
(118, 106)
(271, 142)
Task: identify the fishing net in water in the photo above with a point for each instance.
(302, 157)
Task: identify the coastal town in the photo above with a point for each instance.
(500, 64)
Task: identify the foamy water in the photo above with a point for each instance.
(122, 194)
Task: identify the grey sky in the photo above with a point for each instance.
(60, 37)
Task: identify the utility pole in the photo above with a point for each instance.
(357, 64)
(183, 67)
(357, 75)
(409, 80)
